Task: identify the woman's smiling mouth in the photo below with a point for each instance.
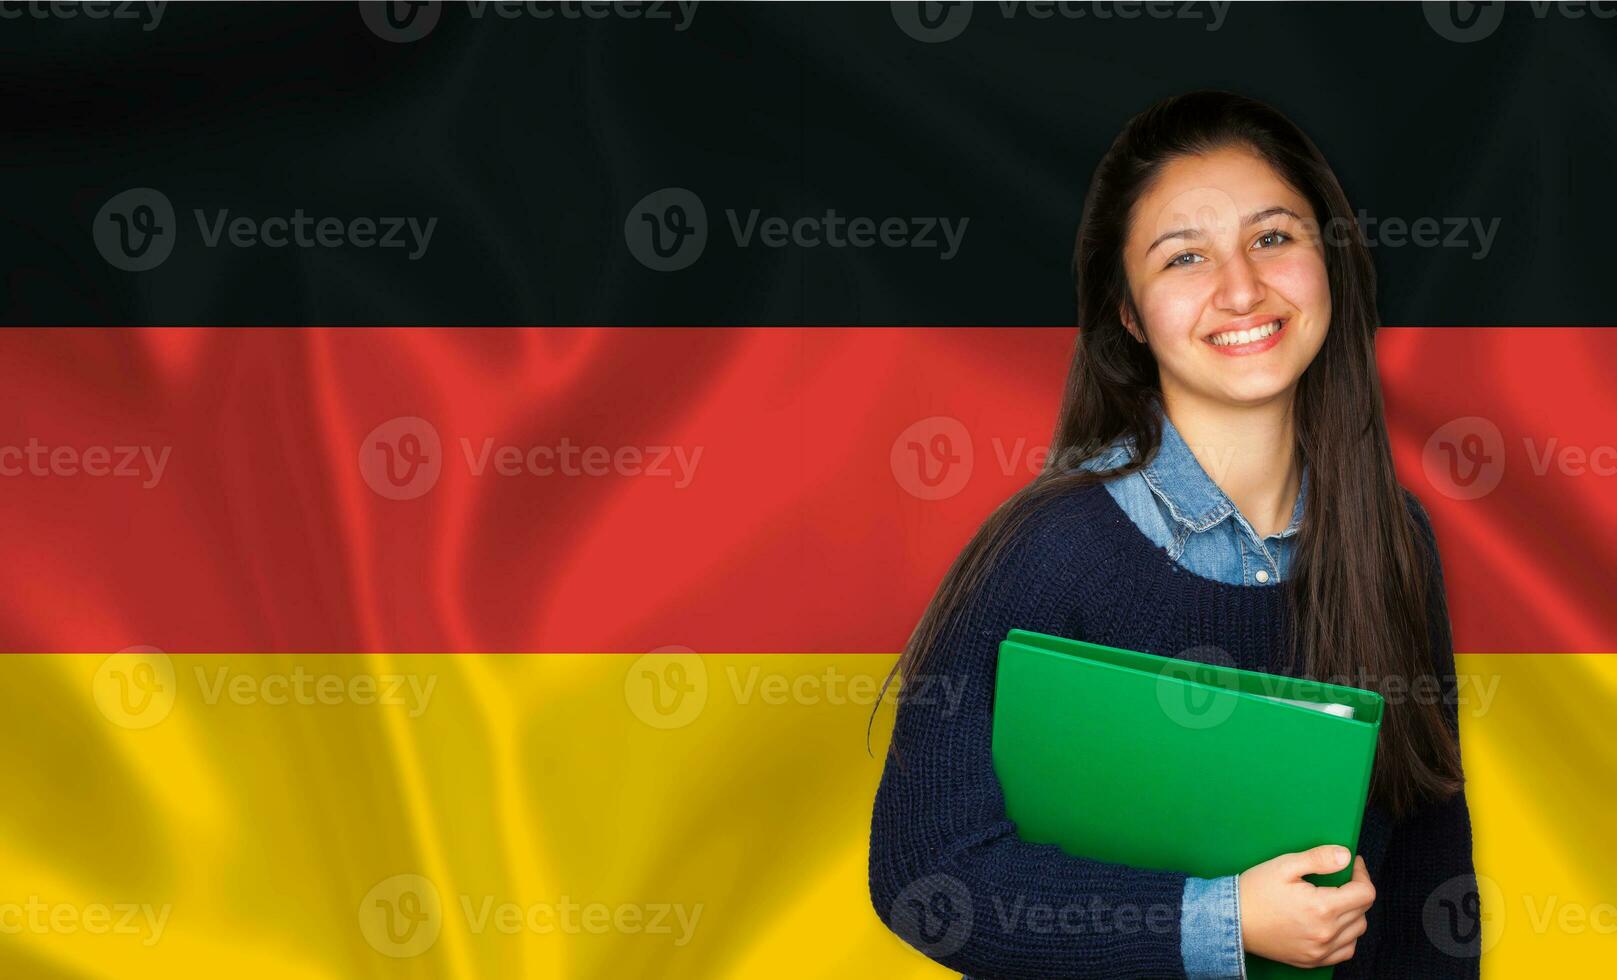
(1250, 340)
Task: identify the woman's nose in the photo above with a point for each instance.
(1239, 287)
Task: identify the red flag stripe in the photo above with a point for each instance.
(621, 489)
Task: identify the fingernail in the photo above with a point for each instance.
(1341, 856)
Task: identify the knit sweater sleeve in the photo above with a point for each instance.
(1433, 917)
(948, 873)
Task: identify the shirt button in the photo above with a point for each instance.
(1262, 576)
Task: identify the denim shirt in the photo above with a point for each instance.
(1181, 509)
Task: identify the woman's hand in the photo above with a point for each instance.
(1296, 922)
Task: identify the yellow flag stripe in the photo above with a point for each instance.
(670, 814)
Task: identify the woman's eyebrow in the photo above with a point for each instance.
(1250, 219)
(1176, 233)
(1258, 216)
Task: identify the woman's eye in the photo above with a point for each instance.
(1273, 237)
(1184, 255)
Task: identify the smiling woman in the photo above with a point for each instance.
(1220, 488)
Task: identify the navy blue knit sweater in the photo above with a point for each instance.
(947, 870)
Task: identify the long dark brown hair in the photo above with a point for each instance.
(1357, 595)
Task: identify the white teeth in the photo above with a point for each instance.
(1236, 337)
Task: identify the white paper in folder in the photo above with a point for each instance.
(1339, 710)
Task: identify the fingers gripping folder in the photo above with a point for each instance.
(1177, 765)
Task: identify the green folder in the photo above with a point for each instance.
(1177, 765)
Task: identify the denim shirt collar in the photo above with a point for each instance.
(1176, 476)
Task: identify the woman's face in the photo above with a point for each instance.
(1218, 245)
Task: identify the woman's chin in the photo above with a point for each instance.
(1256, 390)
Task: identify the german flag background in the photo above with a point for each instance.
(466, 470)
